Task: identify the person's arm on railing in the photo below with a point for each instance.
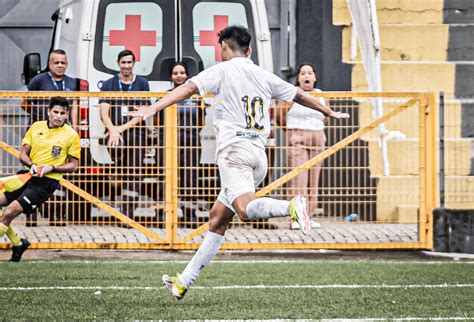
(115, 138)
(176, 95)
(307, 100)
(75, 115)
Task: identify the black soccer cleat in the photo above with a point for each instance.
(17, 251)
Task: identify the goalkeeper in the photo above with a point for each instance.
(49, 149)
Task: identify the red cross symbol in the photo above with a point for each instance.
(132, 37)
(210, 38)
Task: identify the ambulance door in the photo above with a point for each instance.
(201, 21)
(147, 28)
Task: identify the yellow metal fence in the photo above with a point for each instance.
(375, 187)
(457, 153)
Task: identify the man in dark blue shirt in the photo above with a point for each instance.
(53, 80)
(131, 134)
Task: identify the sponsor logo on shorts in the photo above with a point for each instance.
(227, 193)
(27, 200)
(250, 135)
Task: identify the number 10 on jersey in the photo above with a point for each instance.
(253, 112)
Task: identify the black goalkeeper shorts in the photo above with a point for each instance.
(34, 193)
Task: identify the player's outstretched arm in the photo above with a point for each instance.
(176, 95)
(307, 100)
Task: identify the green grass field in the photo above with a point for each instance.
(323, 289)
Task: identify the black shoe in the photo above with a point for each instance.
(31, 223)
(189, 218)
(121, 224)
(31, 220)
(58, 223)
(17, 251)
(263, 224)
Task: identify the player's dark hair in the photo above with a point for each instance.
(298, 70)
(179, 63)
(124, 53)
(236, 37)
(57, 51)
(58, 100)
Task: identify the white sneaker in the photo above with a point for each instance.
(315, 224)
(295, 226)
(299, 213)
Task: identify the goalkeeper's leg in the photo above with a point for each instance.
(20, 245)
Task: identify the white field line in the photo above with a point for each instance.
(400, 319)
(367, 319)
(105, 261)
(233, 287)
(456, 318)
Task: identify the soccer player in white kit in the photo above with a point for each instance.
(242, 124)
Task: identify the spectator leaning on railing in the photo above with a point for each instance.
(306, 139)
(190, 121)
(130, 134)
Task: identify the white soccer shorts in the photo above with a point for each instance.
(242, 167)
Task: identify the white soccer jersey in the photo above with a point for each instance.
(243, 95)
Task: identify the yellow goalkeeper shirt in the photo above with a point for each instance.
(52, 146)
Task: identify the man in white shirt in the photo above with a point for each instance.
(242, 124)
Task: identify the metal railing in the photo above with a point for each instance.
(456, 152)
(165, 194)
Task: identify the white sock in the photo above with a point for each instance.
(206, 252)
(264, 208)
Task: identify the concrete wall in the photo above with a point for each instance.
(454, 231)
(319, 42)
(25, 27)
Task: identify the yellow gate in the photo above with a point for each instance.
(376, 187)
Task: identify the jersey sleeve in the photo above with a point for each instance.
(208, 80)
(282, 90)
(74, 149)
(33, 85)
(106, 87)
(28, 136)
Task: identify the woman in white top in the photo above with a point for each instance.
(305, 140)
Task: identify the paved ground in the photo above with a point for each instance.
(329, 232)
(95, 254)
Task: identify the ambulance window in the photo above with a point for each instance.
(146, 28)
(208, 18)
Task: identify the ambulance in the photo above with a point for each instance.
(159, 32)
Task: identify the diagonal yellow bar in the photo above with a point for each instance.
(333, 149)
(194, 233)
(327, 153)
(97, 202)
(100, 204)
(9, 149)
